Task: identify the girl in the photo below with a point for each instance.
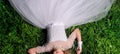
(58, 15)
(60, 47)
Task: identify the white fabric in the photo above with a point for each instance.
(56, 32)
(43, 13)
(70, 12)
(80, 44)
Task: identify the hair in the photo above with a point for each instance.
(65, 52)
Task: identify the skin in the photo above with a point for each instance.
(78, 51)
(32, 51)
(78, 34)
(59, 51)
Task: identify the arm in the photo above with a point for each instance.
(46, 48)
(79, 49)
(76, 35)
(40, 49)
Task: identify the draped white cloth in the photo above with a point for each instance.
(42, 13)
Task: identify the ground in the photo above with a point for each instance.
(17, 36)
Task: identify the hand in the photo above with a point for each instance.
(32, 51)
(78, 51)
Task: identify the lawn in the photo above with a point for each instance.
(17, 36)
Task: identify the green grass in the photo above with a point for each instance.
(17, 36)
